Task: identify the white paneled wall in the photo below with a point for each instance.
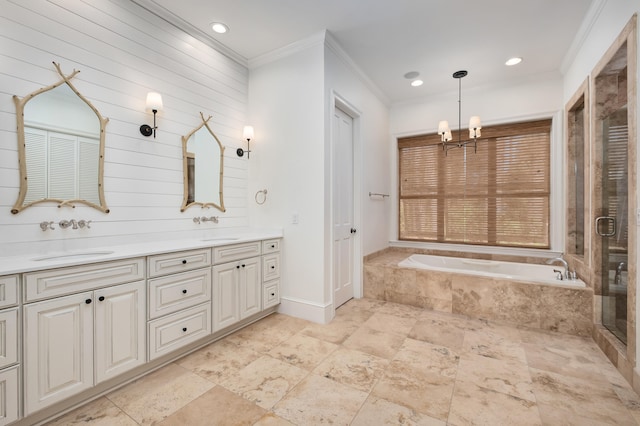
(122, 52)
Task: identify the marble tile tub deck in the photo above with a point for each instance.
(377, 363)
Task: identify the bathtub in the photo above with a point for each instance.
(513, 271)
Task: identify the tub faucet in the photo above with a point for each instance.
(563, 262)
(618, 278)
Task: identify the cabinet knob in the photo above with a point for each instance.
(184, 291)
(243, 265)
(88, 301)
(101, 298)
(184, 329)
(238, 266)
(273, 267)
(273, 294)
(273, 246)
(184, 262)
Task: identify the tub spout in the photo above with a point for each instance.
(562, 262)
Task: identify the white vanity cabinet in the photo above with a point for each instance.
(75, 331)
(245, 281)
(74, 342)
(237, 283)
(236, 291)
(271, 273)
(9, 354)
(179, 298)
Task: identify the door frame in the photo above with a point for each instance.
(339, 102)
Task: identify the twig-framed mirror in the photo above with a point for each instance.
(202, 165)
(61, 138)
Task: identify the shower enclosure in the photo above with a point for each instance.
(612, 207)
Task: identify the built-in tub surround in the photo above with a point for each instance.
(549, 307)
(523, 272)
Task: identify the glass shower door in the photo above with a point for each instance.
(612, 226)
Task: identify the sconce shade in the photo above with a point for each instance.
(154, 101)
(247, 132)
(154, 104)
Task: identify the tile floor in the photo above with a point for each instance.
(377, 363)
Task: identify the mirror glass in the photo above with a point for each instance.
(60, 148)
(202, 155)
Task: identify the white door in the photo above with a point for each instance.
(120, 329)
(58, 339)
(343, 226)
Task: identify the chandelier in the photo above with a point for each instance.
(474, 124)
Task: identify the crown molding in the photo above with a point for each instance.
(288, 50)
(334, 46)
(167, 16)
(595, 9)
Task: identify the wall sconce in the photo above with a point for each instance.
(247, 133)
(154, 104)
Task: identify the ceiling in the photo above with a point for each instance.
(388, 38)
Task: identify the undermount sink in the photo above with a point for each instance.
(220, 239)
(73, 256)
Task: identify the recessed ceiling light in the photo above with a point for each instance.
(219, 27)
(411, 75)
(416, 83)
(513, 61)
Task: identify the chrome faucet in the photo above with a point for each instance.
(564, 264)
(617, 280)
(75, 224)
(46, 225)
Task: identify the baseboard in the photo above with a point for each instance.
(307, 310)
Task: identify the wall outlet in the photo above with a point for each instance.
(294, 218)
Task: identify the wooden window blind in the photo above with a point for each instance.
(497, 196)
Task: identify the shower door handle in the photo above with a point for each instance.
(609, 220)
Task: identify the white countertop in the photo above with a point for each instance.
(26, 263)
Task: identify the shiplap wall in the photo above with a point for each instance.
(122, 52)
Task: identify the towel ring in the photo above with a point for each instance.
(263, 197)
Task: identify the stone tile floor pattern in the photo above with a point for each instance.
(377, 363)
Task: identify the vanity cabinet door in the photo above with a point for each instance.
(250, 286)
(237, 291)
(120, 324)
(8, 337)
(9, 401)
(58, 349)
(225, 295)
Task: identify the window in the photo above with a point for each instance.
(496, 196)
